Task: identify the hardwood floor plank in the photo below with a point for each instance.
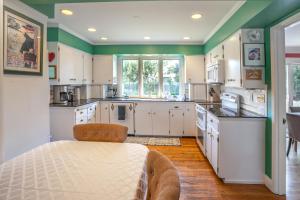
(198, 180)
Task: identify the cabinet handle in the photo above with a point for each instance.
(112, 107)
(130, 107)
(211, 121)
(176, 107)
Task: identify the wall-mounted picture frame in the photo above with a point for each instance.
(23, 44)
(254, 54)
(254, 74)
(52, 72)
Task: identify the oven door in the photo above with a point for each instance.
(201, 140)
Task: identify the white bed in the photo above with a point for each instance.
(71, 170)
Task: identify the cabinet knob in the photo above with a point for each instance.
(112, 107)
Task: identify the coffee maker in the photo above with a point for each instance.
(110, 91)
(62, 95)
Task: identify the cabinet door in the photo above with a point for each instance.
(66, 65)
(195, 69)
(104, 112)
(70, 65)
(78, 65)
(217, 53)
(113, 115)
(87, 68)
(232, 56)
(189, 124)
(176, 122)
(91, 113)
(103, 67)
(143, 119)
(160, 119)
(214, 150)
(208, 143)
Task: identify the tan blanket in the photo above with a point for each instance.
(71, 170)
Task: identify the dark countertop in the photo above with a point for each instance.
(88, 101)
(218, 111)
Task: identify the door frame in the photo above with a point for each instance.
(277, 36)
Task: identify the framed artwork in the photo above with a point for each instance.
(254, 55)
(52, 72)
(23, 44)
(254, 74)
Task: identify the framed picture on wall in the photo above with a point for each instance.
(254, 54)
(23, 44)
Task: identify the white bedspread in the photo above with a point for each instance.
(72, 170)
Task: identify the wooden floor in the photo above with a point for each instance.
(293, 174)
(198, 180)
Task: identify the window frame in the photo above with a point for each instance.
(140, 59)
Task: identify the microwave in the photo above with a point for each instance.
(215, 72)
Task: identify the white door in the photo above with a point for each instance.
(103, 67)
(129, 119)
(208, 142)
(160, 119)
(232, 56)
(104, 113)
(189, 120)
(87, 68)
(143, 119)
(214, 150)
(176, 122)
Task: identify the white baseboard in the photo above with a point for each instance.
(244, 181)
(269, 183)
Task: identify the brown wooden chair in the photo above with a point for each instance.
(100, 132)
(293, 120)
(163, 179)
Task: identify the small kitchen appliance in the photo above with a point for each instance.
(110, 91)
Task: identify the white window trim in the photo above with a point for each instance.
(160, 59)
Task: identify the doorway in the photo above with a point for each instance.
(284, 84)
(292, 71)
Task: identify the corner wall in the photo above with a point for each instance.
(1, 61)
(24, 100)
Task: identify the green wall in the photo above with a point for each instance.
(58, 35)
(55, 34)
(149, 49)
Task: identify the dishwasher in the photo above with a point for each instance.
(123, 114)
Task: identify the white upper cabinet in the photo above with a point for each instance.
(217, 53)
(87, 68)
(104, 67)
(232, 57)
(73, 65)
(194, 69)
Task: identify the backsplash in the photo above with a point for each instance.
(252, 100)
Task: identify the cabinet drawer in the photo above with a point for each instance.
(91, 110)
(81, 112)
(213, 122)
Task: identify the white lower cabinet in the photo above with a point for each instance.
(104, 112)
(235, 148)
(143, 119)
(160, 119)
(176, 122)
(189, 118)
(165, 119)
(62, 120)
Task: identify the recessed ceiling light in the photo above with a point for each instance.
(92, 30)
(104, 38)
(147, 38)
(196, 16)
(186, 38)
(66, 12)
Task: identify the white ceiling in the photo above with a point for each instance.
(292, 35)
(165, 22)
